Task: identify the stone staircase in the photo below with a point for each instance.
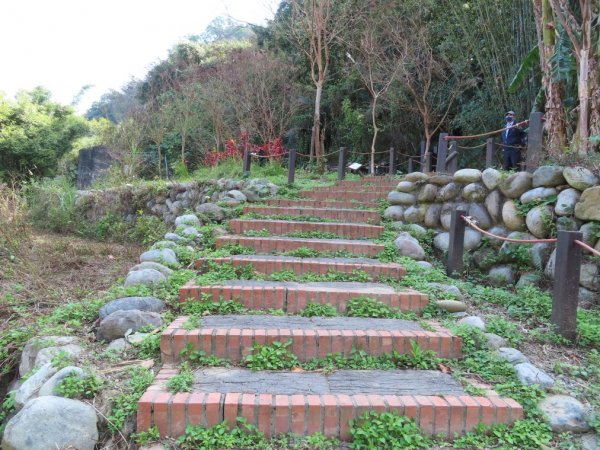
(302, 402)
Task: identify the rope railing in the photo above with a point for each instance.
(583, 245)
(473, 224)
(489, 133)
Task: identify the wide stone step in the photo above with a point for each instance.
(305, 403)
(345, 194)
(233, 336)
(292, 297)
(282, 227)
(303, 203)
(347, 215)
(269, 264)
(274, 244)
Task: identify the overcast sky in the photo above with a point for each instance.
(66, 44)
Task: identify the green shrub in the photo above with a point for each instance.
(75, 386)
(183, 381)
(51, 204)
(275, 356)
(147, 230)
(376, 431)
(319, 310)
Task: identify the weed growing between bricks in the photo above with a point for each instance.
(290, 217)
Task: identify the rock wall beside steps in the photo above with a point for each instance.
(520, 205)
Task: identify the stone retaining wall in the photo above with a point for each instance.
(172, 199)
(519, 205)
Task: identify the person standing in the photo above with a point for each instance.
(512, 139)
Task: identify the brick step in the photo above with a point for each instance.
(304, 403)
(369, 182)
(346, 195)
(347, 215)
(269, 264)
(274, 244)
(383, 190)
(350, 204)
(292, 297)
(233, 336)
(281, 227)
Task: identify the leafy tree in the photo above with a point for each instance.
(34, 133)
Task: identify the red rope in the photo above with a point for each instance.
(471, 223)
(588, 248)
(454, 138)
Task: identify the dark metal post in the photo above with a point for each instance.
(456, 244)
(442, 153)
(291, 166)
(410, 165)
(534, 141)
(452, 165)
(567, 267)
(342, 164)
(490, 149)
(423, 158)
(392, 169)
(247, 161)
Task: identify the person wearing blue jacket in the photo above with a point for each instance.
(512, 140)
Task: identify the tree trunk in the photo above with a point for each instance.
(594, 90)
(375, 132)
(315, 144)
(183, 136)
(583, 133)
(159, 160)
(555, 123)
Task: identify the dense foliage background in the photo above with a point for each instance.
(324, 74)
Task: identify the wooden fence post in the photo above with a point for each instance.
(342, 163)
(291, 166)
(392, 168)
(490, 149)
(442, 153)
(456, 244)
(567, 267)
(410, 165)
(247, 161)
(452, 158)
(534, 141)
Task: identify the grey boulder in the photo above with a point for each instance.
(144, 276)
(452, 306)
(115, 325)
(536, 194)
(50, 386)
(394, 212)
(474, 192)
(566, 201)
(548, 176)
(128, 303)
(494, 341)
(40, 350)
(188, 219)
(152, 265)
(565, 414)
(511, 355)
(237, 195)
(174, 237)
(406, 186)
(466, 176)
(491, 178)
(528, 374)
(501, 276)
(30, 387)
(580, 177)
(409, 246)
(401, 198)
(588, 207)
(539, 221)
(473, 321)
(516, 184)
(164, 256)
(50, 423)
(211, 212)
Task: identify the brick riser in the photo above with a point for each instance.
(347, 215)
(234, 344)
(293, 300)
(348, 195)
(304, 266)
(382, 190)
(320, 203)
(302, 414)
(268, 245)
(281, 227)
